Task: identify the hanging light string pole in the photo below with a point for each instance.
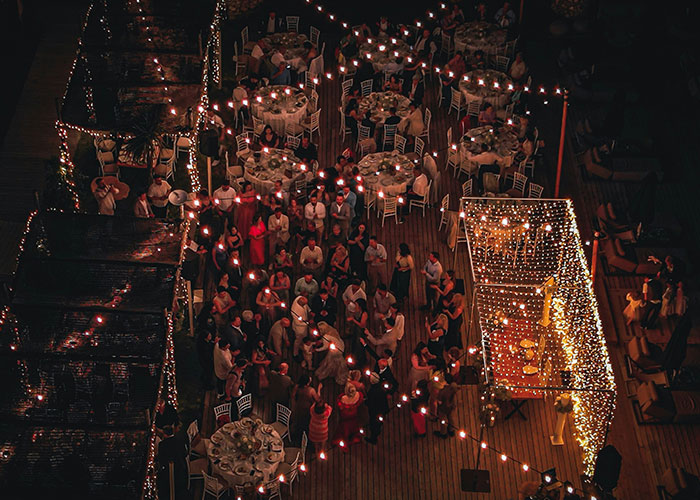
(594, 256)
(562, 137)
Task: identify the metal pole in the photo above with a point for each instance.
(190, 307)
(171, 476)
(522, 7)
(209, 174)
(562, 136)
(594, 258)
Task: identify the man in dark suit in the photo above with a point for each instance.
(324, 307)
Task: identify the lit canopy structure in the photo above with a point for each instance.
(536, 311)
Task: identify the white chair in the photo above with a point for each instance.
(244, 41)
(501, 63)
(182, 145)
(418, 147)
(455, 102)
(492, 182)
(444, 207)
(196, 442)
(293, 23)
(243, 147)
(370, 200)
(108, 165)
(244, 405)
(104, 144)
(460, 46)
(313, 101)
(233, 170)
(258, 127)
(300, 190)
(271, 490)
(389, 209)
(291, 452)
(528, 167)
(241, 62)
(212, 487)
(510, 48)
(293, 130)
(535, 191)
(346, 86)
(323, 49)
(292, 142)
(222, 412)
(468, 188)
(287, 473)
(422, 203)
(281, 423)
(366, 87)
(519, 183)
(427, 116)
(399, 143)
(310, 80)
(313, 125)
(315, 35)
(389, 135)
(344, 129)
(474, 107)
(196, 469)
(446, 45)
(365, 148)
(461, 233)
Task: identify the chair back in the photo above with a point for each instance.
(535, 191)
(399, 143)
(426, 196)
(456, 99)
(390, 204)
(315, 34)
(467, 188)
(474, 107)
(315, 119)
(300, 189)
(366, 87)
(389, 135)
(292, 141)
(192, 431)
(445, 203)
(418, 147)
(364, 148)
(242, 143)
(491, 182)
(363, 132)
(346, 86)
(283, 414)
(293, 23)
(313, 100)
(446, 46)
(310, 80)
(244, 36)
(223, 410)
(304, 444)
(519, 182)
(449, 136)
(427, 116)
(211, 485)
(244, 404)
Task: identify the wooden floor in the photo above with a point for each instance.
(402, 466)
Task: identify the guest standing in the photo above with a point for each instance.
(348, 431)
(432, 270)
(318, 425)
(257, 233)
(401, 279)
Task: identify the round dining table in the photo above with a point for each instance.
(388, 173)
(383, 49)
(378, 104)
(487, 85)
(502, 141)
(263, 168)
(245, 452)
(291, 45)
(279, 105)
(480, 35)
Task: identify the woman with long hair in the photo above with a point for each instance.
(436, 335)
(348, 431)
(419, 365)
(455, 318)
(357, 323)
(269, 138)
(358, 243)
(246, 209)
(401, 279)
(256, 234)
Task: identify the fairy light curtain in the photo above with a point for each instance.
(536, 310)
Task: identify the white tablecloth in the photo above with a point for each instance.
(263, 168)
(378, 103)
(383, 50)
(277, 105)
(503, 141)
(480, 35)
(379, 172)
(238, 469)
(487, 85)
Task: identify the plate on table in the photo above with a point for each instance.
(217, 438)
(387, 181)
(240, 470)
(225, 465)
(215, 452)
(371, 179)
(267, 428)
(272, 457)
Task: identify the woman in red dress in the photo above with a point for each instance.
(348, 431)
(257, 234)
(246, 209)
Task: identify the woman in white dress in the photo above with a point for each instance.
(668, 303)
(633, 311)
(334, 363)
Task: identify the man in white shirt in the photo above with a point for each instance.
(352, 294)
(399, 320)
(315, 212)
(158, 193)
(277, 58)
(417, 189)
(223, 362)
(273, 25)
(225, 200)
(432, 270)
(394, 66)
(375, 257)
(105, 198)
(342, 214)
(311, 258)
(300, 317)
(278, 226)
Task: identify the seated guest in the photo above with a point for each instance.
(395, 66)
(518, 69)
(458, 64)
(487, 115)
(352, 116)
(425, 45)
(419, 187)
(348, 48)
(142, 208)
(251, 82)
(478, 61)
(393, 118)
(413, 124)
(256, 56)
(448, 23)
(393, 84)
(505, 17)
(486, 157)
(282, 76)
(310, 53)
(307, 151)
(269, 138)
(367, 122)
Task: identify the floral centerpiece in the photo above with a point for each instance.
(244, 444)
